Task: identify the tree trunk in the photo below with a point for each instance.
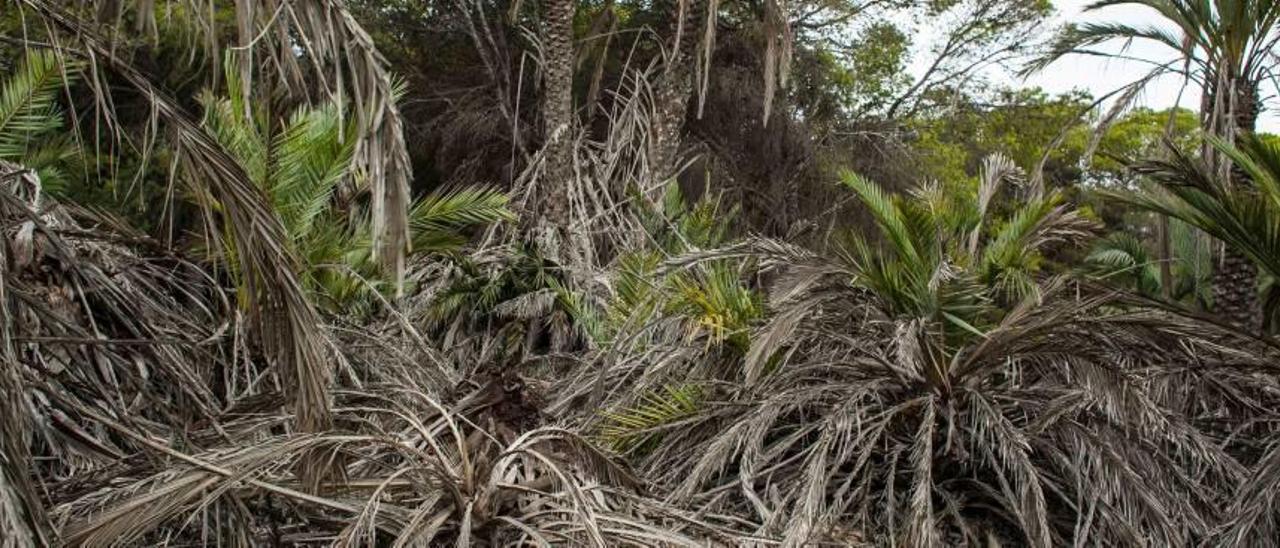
(689, 26)
(551, 203)
(1235, 281)
(1235, 291)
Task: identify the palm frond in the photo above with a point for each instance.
(28, 103)
(630, 429)
(436, 215)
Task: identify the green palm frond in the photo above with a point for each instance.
(30, 119)
(951, 257)
(1122, 256)
(888, 216)
(585, 314)
(1192, 262)
(310, 159)
(1189, 191)
(301, 166)
(633, 428)
(436, 218)
(680, 226)
(1234, 39)
(717, 304)
(1013, 253)
(637, 291)
(28, 103)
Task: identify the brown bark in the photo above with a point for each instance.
(552, 194)
(1235, 281)
(675, 84)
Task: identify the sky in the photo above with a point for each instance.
(1100, 76)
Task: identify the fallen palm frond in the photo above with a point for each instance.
(21, 513)
(155, 424)
(283, 320)
(420, 476)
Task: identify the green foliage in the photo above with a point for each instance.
(30, 119)
(1020, 124)
(1229, 39)
(1244, 217)
(1023, 125)
(710, 296)
(479, 288)
(1141, 133)
(436, 219)
(301, 165)
(854, 79)
(949, 255)
(634, 428)
(1125, 260)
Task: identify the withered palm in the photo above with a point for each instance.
(934, 387)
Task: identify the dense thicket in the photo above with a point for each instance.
(633, 273)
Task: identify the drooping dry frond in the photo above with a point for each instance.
(285, 323)
(22, 515)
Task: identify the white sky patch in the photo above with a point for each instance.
(1099, 75)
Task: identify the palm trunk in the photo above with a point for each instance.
(552, 194)
(1235, 281)
(690, 23)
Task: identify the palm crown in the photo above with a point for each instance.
(302, 165)
(950, 256)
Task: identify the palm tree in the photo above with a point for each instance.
(1247, 219)
(301, 166)
(1191, 190)
(1226, 46)
(690, 43)
(909, 389)
(551, 203)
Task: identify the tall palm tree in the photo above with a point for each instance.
(1226, 46)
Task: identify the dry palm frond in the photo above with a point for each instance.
(350, 66)
(313, 52)
(285, 323)
(22, 515)
(777, 55)
(419, 475)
